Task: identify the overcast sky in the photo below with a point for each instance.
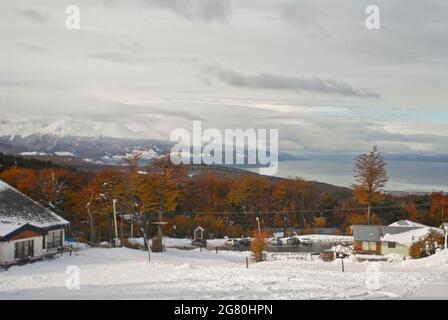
(309, 68)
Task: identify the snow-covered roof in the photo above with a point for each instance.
(407, 223)
(7, 227)
(3, 185)
(377, 233)
(366, 233)
(408, 237)
(18, 209)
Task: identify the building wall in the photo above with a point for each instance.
(7, 249)
(381, 248)
(367, 247)
(399, 249)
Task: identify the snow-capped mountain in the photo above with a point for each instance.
(93, 141)
(84, 139)
(65, 127)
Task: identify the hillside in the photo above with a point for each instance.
(7, 161)
(47, 161)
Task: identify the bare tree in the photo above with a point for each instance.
(370, 177)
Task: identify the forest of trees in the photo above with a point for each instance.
(7, 161)
(223, 205)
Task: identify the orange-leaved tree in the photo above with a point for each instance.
(258, 244)
(370, 177)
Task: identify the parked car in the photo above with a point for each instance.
(244, 242)
(201, 243)
(306, 241)
(293, 241)
(232, 243)
(276, 242)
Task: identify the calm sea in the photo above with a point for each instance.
(412, 176)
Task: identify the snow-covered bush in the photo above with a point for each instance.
(427, 246)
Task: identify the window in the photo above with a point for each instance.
(391, 245)
(54, 239)
(368, 246)
(23, 249)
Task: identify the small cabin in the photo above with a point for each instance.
(395, 238)
(28, 231)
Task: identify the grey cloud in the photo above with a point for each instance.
(34, 15)
(116, 111)
(203, 10)
(301, 13)
(122, 109)
(116, 57)
(13, 83)
(297, 84)
(32, 47)
(149, 46)
(131, 46)
(179, 114)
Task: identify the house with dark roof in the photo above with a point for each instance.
(28, 231)
(395, 238)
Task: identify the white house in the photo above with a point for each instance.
(28, 231)
(395, 238)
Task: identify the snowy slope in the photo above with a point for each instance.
(126, 274)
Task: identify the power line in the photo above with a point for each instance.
(294, 211)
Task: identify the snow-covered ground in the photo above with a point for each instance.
(315, 238)
(180, 242)
(323, 238)
(123, 273)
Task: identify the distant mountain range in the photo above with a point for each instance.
(84, 140)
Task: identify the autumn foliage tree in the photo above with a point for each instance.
(258, 245)
(160, 188)
(428, 245)
(370, 177)
(225, 203)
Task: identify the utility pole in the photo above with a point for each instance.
(114, 201)
(121, 228)
(285, 224)
(89, 213)
(443, 207)
(145, 237)
(91, 234)
(446, 237)
(132, 227)
(369, 210)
